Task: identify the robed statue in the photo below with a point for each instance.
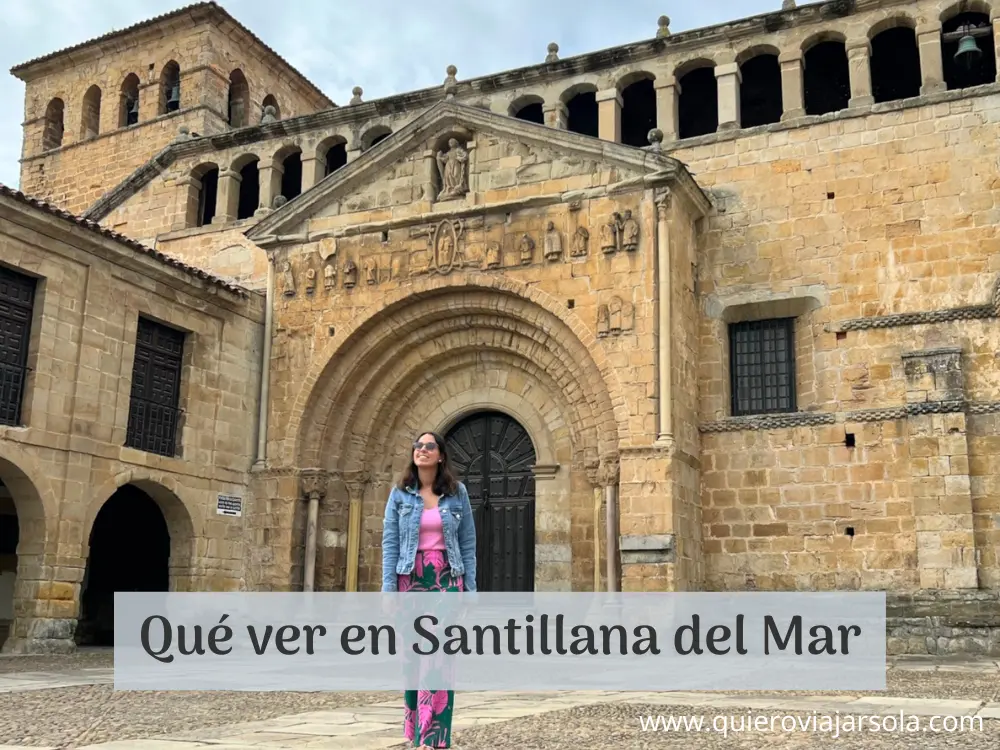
(452, 165)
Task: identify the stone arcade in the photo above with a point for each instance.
(716, 310)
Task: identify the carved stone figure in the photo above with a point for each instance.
(492, 257)
(310, 280)
(350, 274)
(628, 316)
(289, 279)
(452, 166)
(609, 236)
(580, 239)
(615, 316)
(629, 232)
(329, 275)
(371, 271)
(553, 243)
(602, 321)
(527, 248)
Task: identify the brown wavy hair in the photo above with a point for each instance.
(445, 483)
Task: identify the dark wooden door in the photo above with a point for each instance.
(17, 298)
(493, 455)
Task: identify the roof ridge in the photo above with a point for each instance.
(93, 226)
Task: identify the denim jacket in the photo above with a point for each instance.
(401, 532)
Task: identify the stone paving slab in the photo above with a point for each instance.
(21, 681)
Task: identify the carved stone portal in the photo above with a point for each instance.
(453, 167)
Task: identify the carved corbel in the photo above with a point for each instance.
(608, 472)
(663, 199)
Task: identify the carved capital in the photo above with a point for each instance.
(664, 199)
(313, 483)
(356, 481)
(608, 472)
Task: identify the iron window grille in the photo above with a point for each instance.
(17, 300)
(762, 366)
(154, 408)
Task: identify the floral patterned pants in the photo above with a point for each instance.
(427, 713)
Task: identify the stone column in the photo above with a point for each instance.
(189, 191)
(667, 96)
(664, 296)
(859, 62)
(357, 482)
(314, 490)
(556, 115)
(728, 80)
(995, 15)
(931, 62)
(313, 170)
(270, 187)
(939, 464)
(609, 115)
(603, 476)
(353, 153)
(227, 198)
(792, 89)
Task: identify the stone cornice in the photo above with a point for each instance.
(815, 419)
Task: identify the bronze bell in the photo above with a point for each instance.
(968, 51)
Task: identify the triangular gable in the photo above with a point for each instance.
(448, 116)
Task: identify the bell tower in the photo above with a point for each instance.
(98, 111)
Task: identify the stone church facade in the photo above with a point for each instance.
(712, 311)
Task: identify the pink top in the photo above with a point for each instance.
(431, 530)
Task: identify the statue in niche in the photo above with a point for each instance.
(602, 321)
(289, 279)
(615, 316)
(371, 271)
(580, 239)
(628, 316)
(330, 274)
(310, 280)
(609, 236)
(553, 243)
(491, 258)
(350, 274)
(629, 232)
(452, 166)
(527, 248)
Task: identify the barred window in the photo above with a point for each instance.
(154, 408)
(762, 366)
(17, 300)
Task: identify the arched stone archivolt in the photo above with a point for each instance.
(427, 300)
(379, 393)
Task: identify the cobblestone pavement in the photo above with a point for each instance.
(94, 717)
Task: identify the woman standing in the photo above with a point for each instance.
(428, 544)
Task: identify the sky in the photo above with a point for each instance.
(386, 47)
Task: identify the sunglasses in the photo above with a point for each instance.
(425, 446)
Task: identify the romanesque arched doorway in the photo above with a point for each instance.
(129, 551)
(494, 456)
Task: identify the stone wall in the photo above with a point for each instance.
(68, 456)
(878, 216)
(943, 623)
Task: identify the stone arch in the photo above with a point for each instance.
(183, 523)
(580, 101)
(761, 99)
(373, 135)
(332, 151)
(288, 161)
(170, 88)
(965, 6)
(894, 61)
(239, 99)
(451, 297)
(698, 102)
(529, 107)
(128, 105)
(90, 113)
(638, 113)
(247, 166)
(54, 124)
(36, 514)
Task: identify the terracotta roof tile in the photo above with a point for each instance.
(93, 226)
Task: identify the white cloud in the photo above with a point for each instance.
(385, 46)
